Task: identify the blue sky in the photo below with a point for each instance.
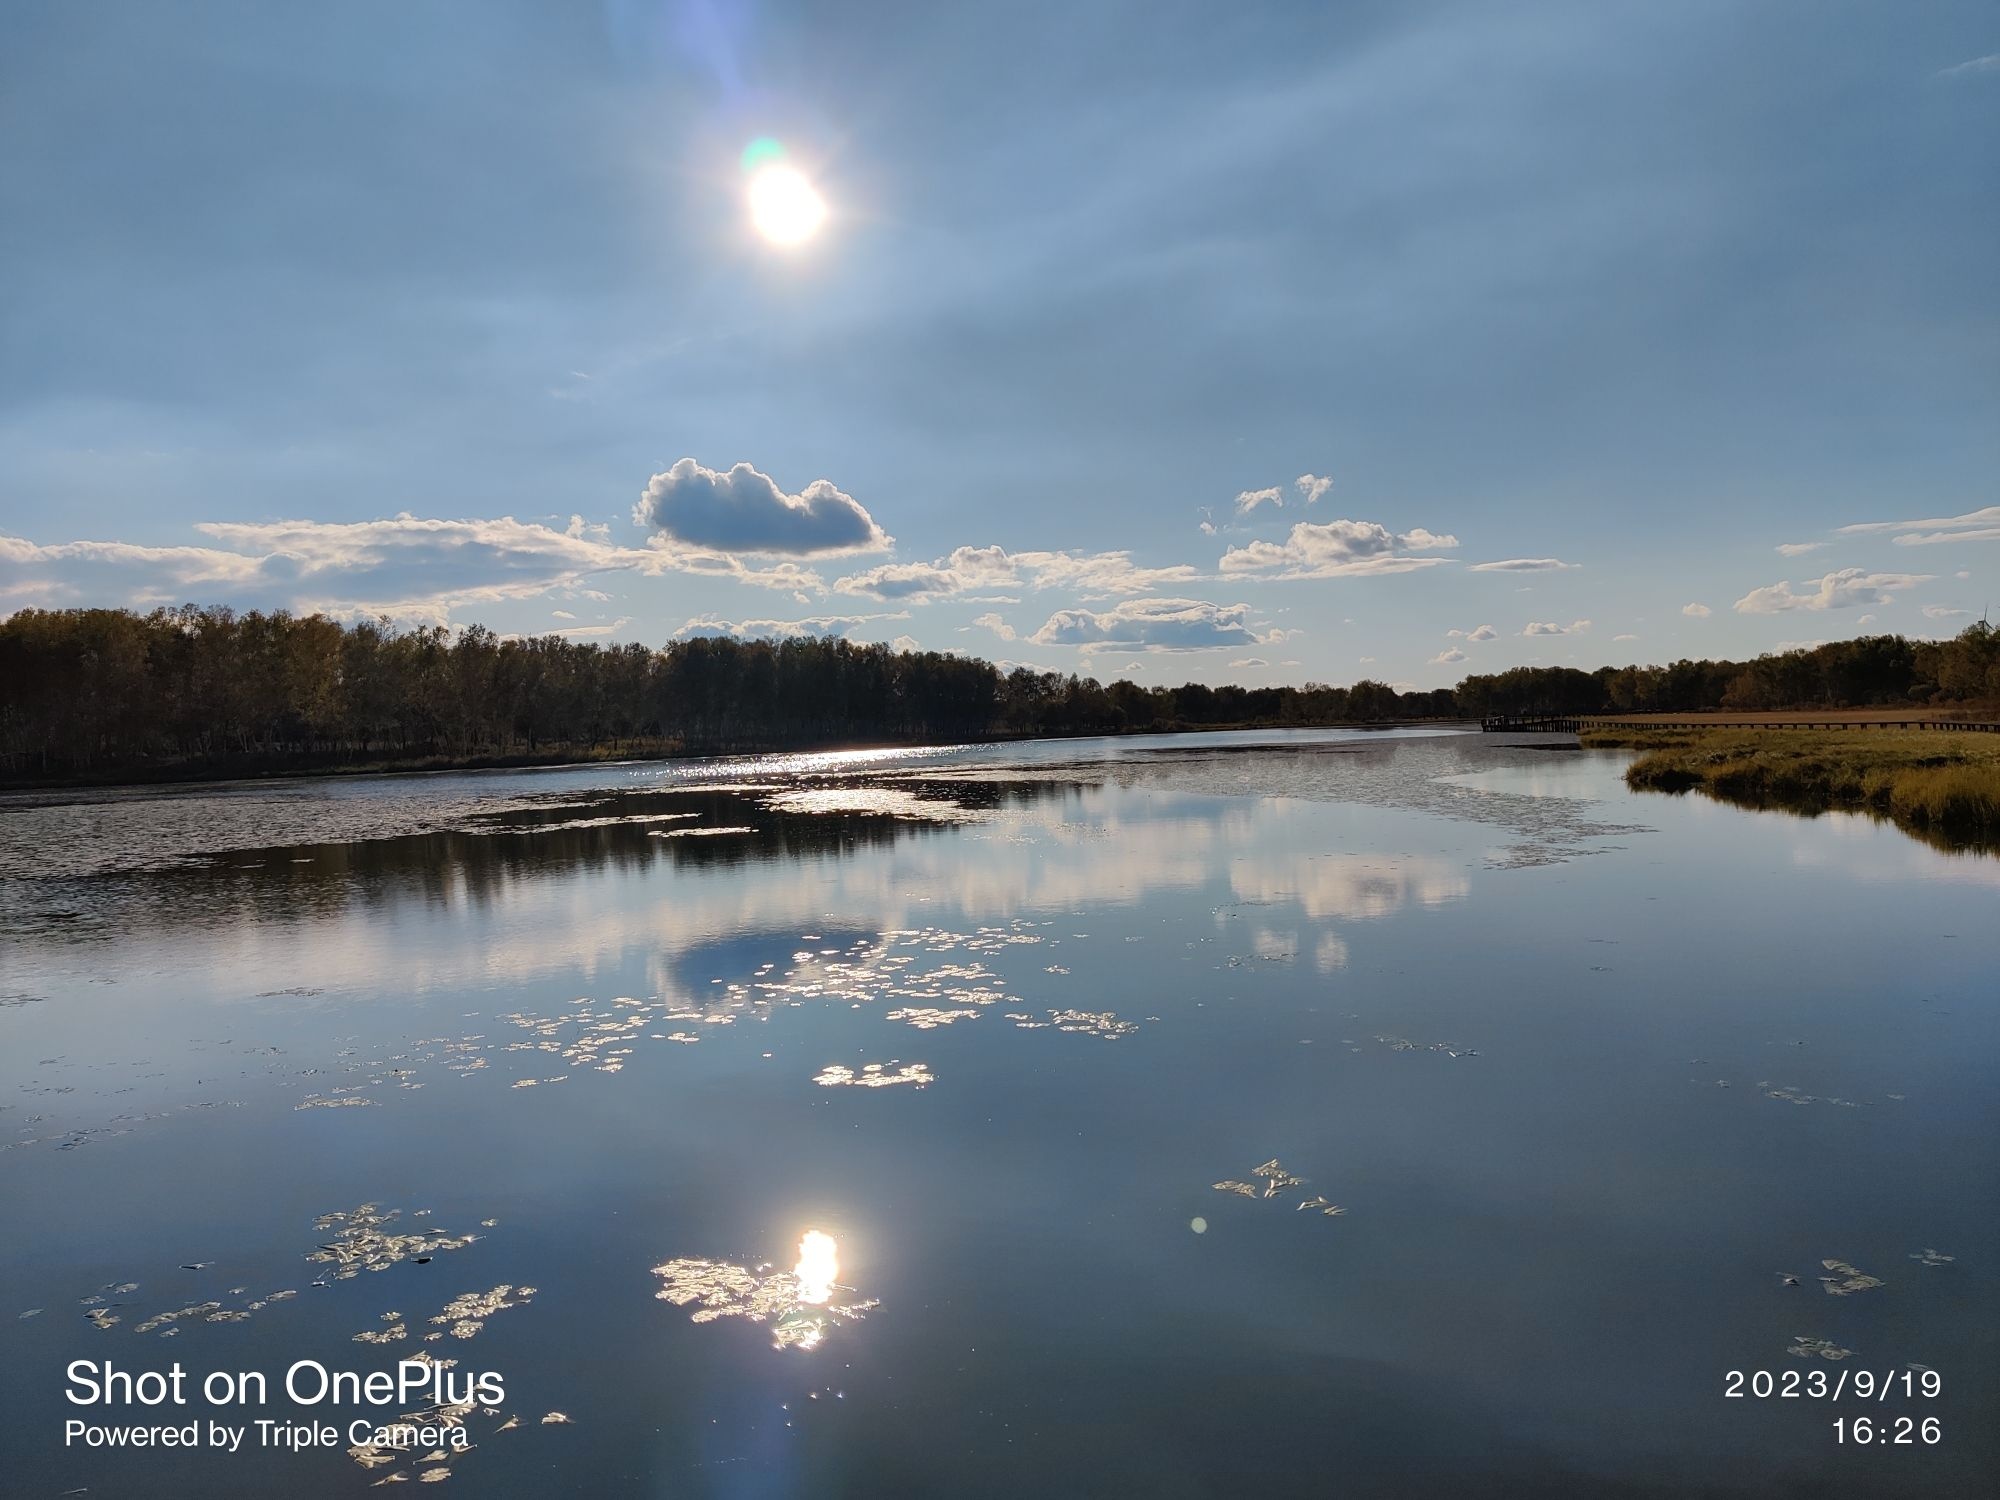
(1253, 343)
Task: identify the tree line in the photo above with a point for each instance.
(105, 693)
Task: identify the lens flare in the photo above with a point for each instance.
(784, 206)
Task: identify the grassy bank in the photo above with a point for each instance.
(1942, 786)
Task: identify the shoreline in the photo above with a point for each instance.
(1934, 784)
(258, 771)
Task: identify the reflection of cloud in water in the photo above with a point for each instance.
(1358, 887)
(887, 802)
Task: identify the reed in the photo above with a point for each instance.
(1943, 786)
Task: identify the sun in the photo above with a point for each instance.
(784, 205)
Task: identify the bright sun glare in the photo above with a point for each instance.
(819, 1264)
(786, 208)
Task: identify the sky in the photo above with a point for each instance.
(1253, 343)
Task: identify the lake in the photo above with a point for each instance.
(1396, 1113)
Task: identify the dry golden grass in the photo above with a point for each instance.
(1934, 782)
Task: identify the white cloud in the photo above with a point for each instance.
(1313, 486)
(966, 569)
(1153, 625)
(1990, 63)
(1447, 656)
(1477, 633)
(1696, 611)
(1625, 637)
(1249, 500)
(1838, 590)
(744, 511)
(561, 614)
(905, 644)
(1250, 661)
(1798, 549)
(406, 566)
(1549, 627)
(778, 630)
(1336, 549)
(575, 632)
(1974, 526)
(1524, 565)
(998, 626)
(1944, 612)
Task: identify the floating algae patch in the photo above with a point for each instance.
(800, 1305)
(467, 1313)
(873, 1076)
(1846, 1280)
(1932, 1257)
(364, 1241)
(1806, 1348)
(1277, 1180)
(1404, 1044)
(929, 1018)
(1101, 1023)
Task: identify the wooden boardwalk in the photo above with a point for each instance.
(1559, 724)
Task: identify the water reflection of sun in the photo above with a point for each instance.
(819, 1264)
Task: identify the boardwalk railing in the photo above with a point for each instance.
(1561, 724)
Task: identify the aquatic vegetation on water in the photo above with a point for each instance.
(467, 1313)
(798, 1304)
(1805, 1348)
(1277, 1180)
(1101, 1023)
(929, 1018)
(1847, 1280)
(873, 1076)
(363, 1241)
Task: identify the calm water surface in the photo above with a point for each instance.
(1586, 1075)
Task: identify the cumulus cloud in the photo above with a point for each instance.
(1477, 633)
(998, 626)
(1447, 656)
(1549, 627)
(713, 626)
(1524, 565)
(1250, 661)
(1981, 525)
(1249, 500)
(1843, 589)
(1944, 612)
(1798, 549)
(744, 511)
(1336, 549)
(971, 569)
(1696, 611)
(410, 567)
(1313, 486)
(1153, 625)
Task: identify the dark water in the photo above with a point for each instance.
(1588, 1074)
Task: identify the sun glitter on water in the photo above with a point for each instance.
(819, 1265)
